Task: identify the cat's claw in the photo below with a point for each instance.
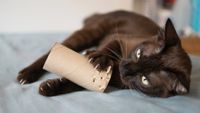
(41, 89)
(60, 79)
(90, 60)
(96, 66)
(22, 82)
(109, 69)
(48, 85)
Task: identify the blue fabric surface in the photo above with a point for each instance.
(17, 51)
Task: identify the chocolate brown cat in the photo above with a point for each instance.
(143, 56)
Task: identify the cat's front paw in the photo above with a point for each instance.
(101, 61)
(47, 88)
(26, 76)
(52, 87)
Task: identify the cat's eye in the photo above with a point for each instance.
(145, 80)
(138, 53)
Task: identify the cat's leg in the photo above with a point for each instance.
(80, 40)
(33, 72)
(58, 86)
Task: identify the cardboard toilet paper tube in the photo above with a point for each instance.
(76, 68)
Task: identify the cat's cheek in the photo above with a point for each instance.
(124, 81)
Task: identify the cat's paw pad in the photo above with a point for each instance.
(49, 87)
(100, 61)
(26, 76)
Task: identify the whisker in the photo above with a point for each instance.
(112, 57)
(114, 52)
(130, 86)
(121, 47)
(118, 39)
(126, 49)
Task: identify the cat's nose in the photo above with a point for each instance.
(128, 67)
(125, 66)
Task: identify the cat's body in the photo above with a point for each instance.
(142, 55)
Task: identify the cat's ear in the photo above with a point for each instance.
(160, 41)
(171, 36)
(180, 88)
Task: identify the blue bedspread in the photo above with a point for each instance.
(17, 51)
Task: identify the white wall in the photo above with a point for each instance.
(22, 16)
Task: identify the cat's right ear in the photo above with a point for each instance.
(180, 88)
(171, 36)
(160, 40)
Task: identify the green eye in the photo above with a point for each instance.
(145, 80)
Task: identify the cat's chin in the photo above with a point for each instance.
(126, 81)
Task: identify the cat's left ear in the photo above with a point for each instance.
(171, 36)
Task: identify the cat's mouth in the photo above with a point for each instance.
(126, 79)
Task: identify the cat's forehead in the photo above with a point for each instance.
(160, 75)
(155, 65)
(150, 61)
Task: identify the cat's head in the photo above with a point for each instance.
(159, 66)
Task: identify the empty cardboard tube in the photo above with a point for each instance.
(76, 68)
